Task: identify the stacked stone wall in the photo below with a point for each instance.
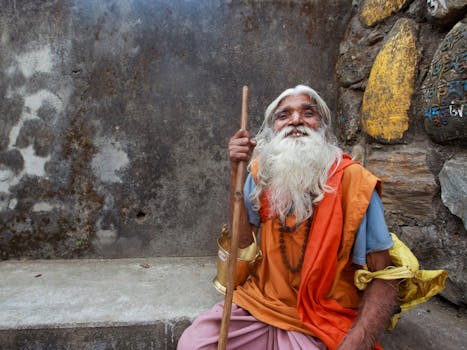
(401, 110)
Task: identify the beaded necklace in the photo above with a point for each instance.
(290, 230)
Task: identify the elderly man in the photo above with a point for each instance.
(320, 218)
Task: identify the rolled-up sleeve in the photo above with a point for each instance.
(373, 234)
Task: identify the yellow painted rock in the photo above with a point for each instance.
(374, 11)
(386, 102)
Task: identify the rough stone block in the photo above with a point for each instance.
(355, 65)
(428, 326)
(443, 90)
(445, 11)
(348, 115)
(440, 249)
(374, 11)
(408, 184)
(454, 186)
(387, 98)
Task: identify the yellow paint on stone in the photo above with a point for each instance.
(374, 11)
(386, 102)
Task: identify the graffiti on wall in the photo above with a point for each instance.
(443, 90)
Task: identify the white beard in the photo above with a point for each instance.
(295, 169)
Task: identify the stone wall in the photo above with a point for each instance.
(115, 115)
(401, 110)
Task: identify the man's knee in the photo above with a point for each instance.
(194, 339)
(183, 342)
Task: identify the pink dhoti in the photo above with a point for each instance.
(245, 333)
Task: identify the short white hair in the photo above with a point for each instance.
(322, 107)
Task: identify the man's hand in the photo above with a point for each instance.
(240, 148)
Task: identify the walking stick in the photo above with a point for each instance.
(238, 198)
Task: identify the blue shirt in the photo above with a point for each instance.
(372, 234)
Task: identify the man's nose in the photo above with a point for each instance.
(295, 118)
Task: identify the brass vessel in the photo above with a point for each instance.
(246, 260)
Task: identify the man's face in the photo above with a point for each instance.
(296, 110)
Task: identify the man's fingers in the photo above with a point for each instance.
(234, 149)
(241, 146)
(242, 141)
(242, 133)
(239, 152)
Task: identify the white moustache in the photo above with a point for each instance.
(295, 131)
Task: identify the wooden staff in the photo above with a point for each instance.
(237, 206)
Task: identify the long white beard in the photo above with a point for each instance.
(294, 169)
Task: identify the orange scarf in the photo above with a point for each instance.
(325, 317)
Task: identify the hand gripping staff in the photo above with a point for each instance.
(237, 201)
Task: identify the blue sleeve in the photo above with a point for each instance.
(372, 234)
(248, 188)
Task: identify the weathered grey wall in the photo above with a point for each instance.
(114, 115)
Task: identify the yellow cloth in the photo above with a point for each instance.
(417, 286)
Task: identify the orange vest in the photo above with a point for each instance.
(321, 300)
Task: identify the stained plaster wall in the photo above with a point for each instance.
(115, 115)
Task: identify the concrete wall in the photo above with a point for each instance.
(115, 115)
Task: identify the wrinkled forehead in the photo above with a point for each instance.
(295, 100)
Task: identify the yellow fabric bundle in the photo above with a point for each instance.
(417, 286)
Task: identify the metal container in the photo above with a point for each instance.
(246, 260)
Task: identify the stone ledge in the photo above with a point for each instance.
(102, 293)
(102, 304)
(146, 304)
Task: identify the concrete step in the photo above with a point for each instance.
(147, 303)
(102, 304)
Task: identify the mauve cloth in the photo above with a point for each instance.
(245, 333)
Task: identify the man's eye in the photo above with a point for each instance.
(282, 116)
(311, 114)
